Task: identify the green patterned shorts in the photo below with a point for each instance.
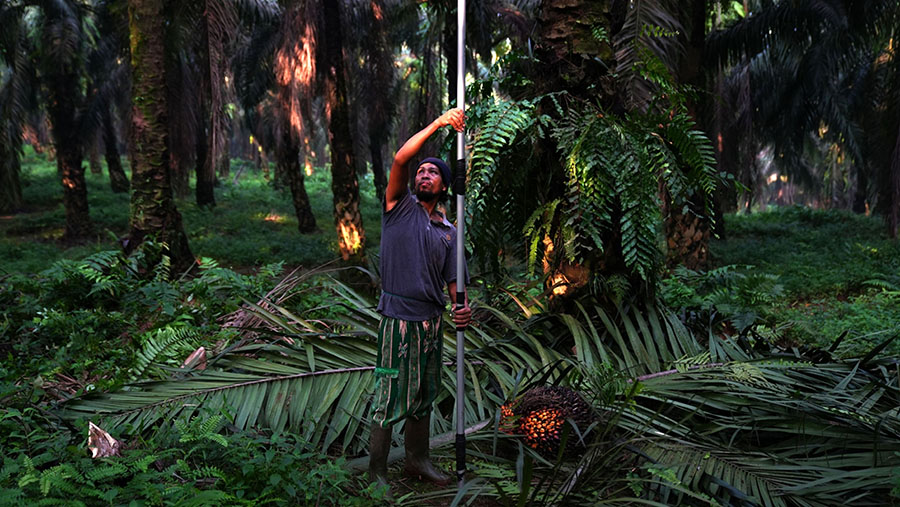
(407, 369)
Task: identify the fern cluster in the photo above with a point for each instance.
(735, 295)
(95, 318)
(615, 168)
(197, 464)
(592, 183)
(499, 188)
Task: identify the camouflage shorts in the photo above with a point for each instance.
(407, 369)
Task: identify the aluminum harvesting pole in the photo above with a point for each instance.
(459, 188)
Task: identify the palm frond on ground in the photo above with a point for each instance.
(684, 419)
(266, 382)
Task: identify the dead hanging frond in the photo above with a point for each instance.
(221, 22)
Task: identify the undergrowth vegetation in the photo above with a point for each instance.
(193, 463)
(97, 322)
(830, 271)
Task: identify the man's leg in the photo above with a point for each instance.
(379, 447)
(418, 464)
(418, 422)
(391, 386)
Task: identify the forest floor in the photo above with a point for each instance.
(838, 272)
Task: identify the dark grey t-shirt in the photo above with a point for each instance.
(418, 259)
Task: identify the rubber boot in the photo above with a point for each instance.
(418, 464)
(379, 447)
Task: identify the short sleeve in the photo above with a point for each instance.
(405, 205)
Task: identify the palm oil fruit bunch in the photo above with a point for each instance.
(540, 416)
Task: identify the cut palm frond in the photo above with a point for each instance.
(695, 421)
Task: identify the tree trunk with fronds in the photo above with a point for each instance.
(379, 56)
(295, 80)
(688, 233)
(12, 115)
(287, 153)
(63, 111)
(118, 181)
(570, 59)
(344, 183)
(212, 48)
(448, 44)
(153, 212)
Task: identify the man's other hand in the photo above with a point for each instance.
(462, 316)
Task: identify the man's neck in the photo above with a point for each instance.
(429, 206)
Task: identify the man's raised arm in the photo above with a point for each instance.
(399, 179)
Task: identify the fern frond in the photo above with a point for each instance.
(107, 472)
(159, 342)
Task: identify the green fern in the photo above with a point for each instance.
(198, 429)
(537, 227)
(503, 121)
(613, 166)
(107, 472)
(58, 478)
(160, 341)
(143, 463)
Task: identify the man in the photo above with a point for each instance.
(418, 259)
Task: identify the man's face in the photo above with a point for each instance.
(428, 184)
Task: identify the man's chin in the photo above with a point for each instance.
(425, 196)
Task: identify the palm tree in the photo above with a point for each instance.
(822, 71)
(16, 98)
(219, 22)
(369, 40)
(110, 74)
(64, 47)
(588, 150)
(344, 182)
(275, 79)
(295, 79)
(65, 51)
(153, 212)
(118, 181)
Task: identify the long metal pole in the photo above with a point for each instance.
(459, 188)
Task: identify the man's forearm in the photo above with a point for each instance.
(414, 144)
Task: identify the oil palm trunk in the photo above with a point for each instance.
(118, 182)
(153, 212)
(63, 110)
(287, 153)
(344, 183)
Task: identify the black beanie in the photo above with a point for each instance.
(445, 169)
